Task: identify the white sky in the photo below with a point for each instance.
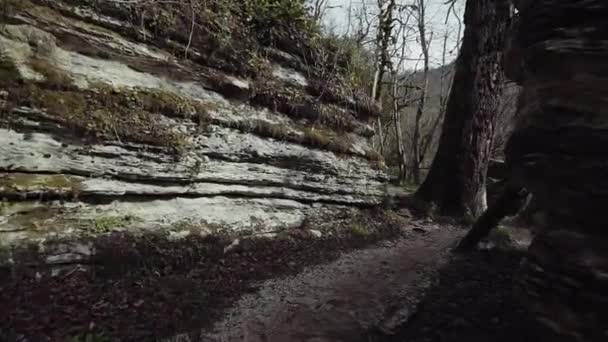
(337, 20)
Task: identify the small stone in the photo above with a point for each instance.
(232, 246)
(405, 213)
(175, 236)
(315, 233)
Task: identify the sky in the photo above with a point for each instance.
(336, 19)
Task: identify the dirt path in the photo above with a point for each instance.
(473, 302)
(369, 289)
(319, 290)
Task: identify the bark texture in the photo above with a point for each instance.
(560, 152)
(456, 181)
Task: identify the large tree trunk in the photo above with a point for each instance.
(456, 181)
(560, 151)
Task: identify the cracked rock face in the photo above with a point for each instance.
(102, 132)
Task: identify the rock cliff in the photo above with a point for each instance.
(558, 151)
(123, 117)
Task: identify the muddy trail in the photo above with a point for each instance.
(405, 288)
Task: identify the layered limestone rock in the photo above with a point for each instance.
(104, 130)
(559, 152)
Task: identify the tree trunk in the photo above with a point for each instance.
(416, 144)
(560, 150)
(457, 178)
(398, 132)
(383, 60)
(376, 96)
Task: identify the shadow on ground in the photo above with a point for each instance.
(473, 302)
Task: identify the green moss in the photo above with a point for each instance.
(106, 224)
(159, 101)
(316, 137)
(51, 182)
(359, 230)
(107, 113)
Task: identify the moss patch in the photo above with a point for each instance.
(106, 224)
(293, 103)
(327, 139)
(103, 112)
(29, 181)
(358, 230)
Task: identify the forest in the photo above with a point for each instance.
(303, 170)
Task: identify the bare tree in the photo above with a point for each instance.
(400, 90)
(430, 131)
(319, 8)
(361, 25)
(383, 60)
(420, 14)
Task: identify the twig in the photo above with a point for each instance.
(191, 30)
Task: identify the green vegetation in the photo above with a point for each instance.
(293, 103)
(324, 138)
(106, 224)
(225, 31)
(24, 181)
(357, 229)
(54, 78)
(316, 137)
(130, 115)
(102, 111)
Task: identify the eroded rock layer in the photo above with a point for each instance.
(106, 127)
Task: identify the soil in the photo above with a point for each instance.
(149, 288)
(341, 301)
(473, 302)
(392, 288)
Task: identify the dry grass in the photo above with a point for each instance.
(54, 78)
